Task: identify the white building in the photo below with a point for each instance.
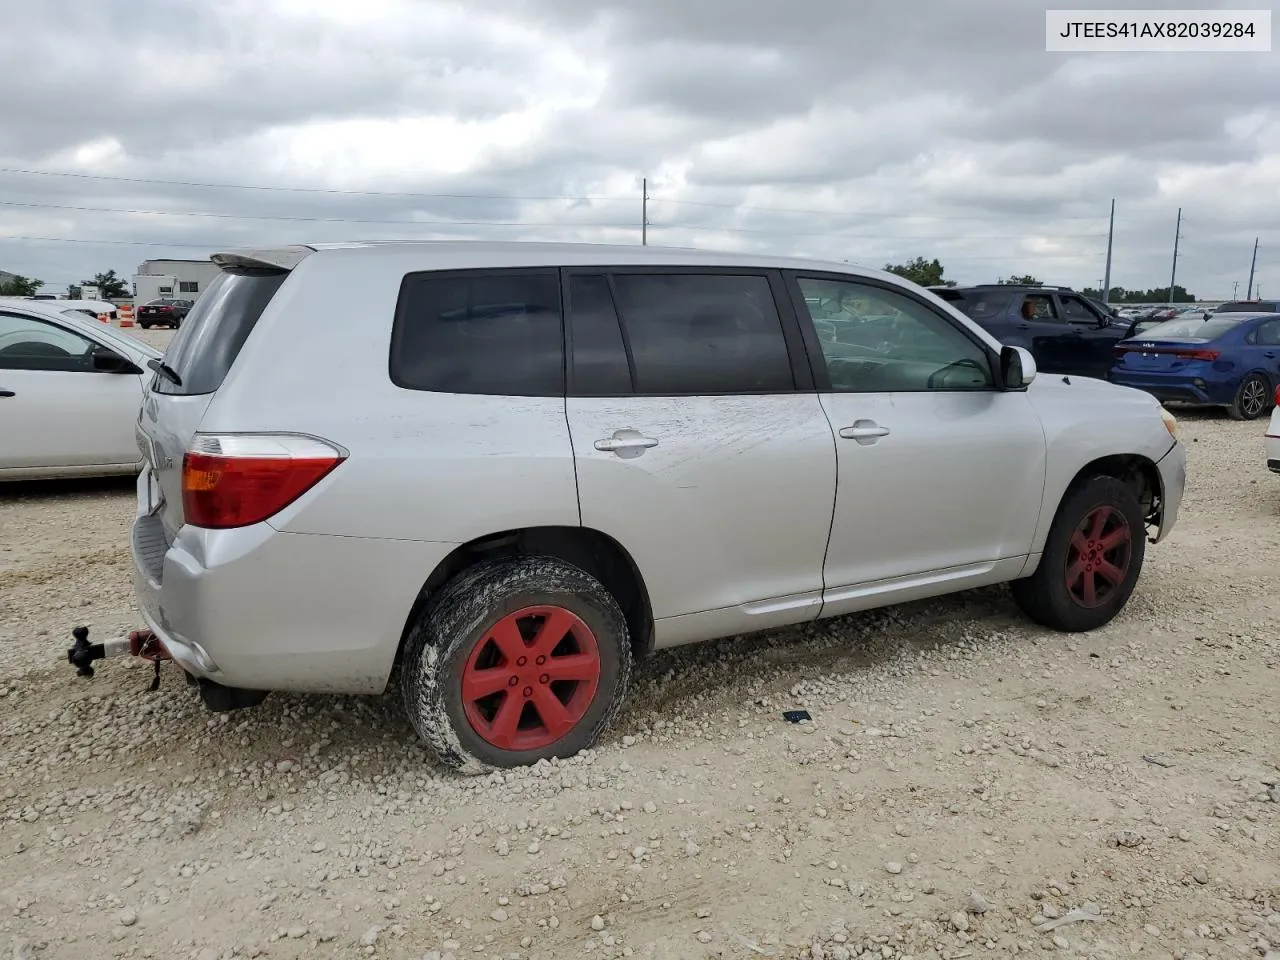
(180, 279)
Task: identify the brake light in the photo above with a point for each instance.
(235, 480)
(1197, 354)
(1277, 396)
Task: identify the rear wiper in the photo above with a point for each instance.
(166, 371)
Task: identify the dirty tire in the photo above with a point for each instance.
(458, 625)
(1054, 596)
(1252, 399)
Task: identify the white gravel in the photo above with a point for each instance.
(969, 785)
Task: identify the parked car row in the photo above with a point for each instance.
(1228, 356)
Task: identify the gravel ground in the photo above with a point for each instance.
(969, 785)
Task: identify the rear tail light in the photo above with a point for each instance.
(1277, 396)
(235, 480)
(1182, 353)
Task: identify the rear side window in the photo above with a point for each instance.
(978, 304)
(485, 332)
(600, 367)
(211, 335)
(703, 334)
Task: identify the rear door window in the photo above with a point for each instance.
(978, 304)
(703, 334)
(211, 335)
(491, 332)
(600, 367)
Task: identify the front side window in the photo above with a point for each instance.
(703, 334)
(496, 333)
(1075, 310)
(30, 344)
(876, 340)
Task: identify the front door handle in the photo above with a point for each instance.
(864, 431)
(7, 393)
(626, 443)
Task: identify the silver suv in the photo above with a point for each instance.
(514, 468)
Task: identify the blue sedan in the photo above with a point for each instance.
(1231, 360)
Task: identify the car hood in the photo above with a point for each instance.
(1057, 385)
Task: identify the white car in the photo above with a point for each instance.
(70, 392)
(90, 308)
(514, 467)
(1272, 442)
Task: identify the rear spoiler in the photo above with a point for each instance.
(276, 260)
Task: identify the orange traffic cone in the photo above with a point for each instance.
(103, 318)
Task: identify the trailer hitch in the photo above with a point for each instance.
(139, 643)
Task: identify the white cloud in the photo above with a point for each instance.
(873, 133)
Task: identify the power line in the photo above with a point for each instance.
(233, 245)
(325, 190)
(704, 228)
(334, 191)
(264, 216)
(867, 213)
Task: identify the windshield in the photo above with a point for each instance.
(1192, 328)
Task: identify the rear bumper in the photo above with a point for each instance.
(1173, 482)
(1176, 388)
(1272, 447)
(258, 609)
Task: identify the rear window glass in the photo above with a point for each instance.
(976, 303)
(497, 333)
(1191, 328)
(211, 335)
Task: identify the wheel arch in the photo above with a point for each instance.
(1135, 470)
(591, 550)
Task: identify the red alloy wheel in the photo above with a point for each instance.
(1098, 556)
(531, 678)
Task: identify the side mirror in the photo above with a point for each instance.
(106, 360)
(1017, 368)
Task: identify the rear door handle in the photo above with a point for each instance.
(864, 431)
(7, 393)
(625, 442)
(1269, 355)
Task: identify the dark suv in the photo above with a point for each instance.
(1065, 331)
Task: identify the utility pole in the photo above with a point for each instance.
(1253, 263)
(1111, 233)
(1235, 289)
(1177, 235)
(644, 212)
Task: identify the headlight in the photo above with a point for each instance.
(1170, 422)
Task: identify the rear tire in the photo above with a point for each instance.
(486, 687)
(1252, 399)
(1091, 560)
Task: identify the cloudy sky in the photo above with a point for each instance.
(872, 131)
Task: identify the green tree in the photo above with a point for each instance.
(20, 287)
(927, 273)
(1027, 280)
(108, 284)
